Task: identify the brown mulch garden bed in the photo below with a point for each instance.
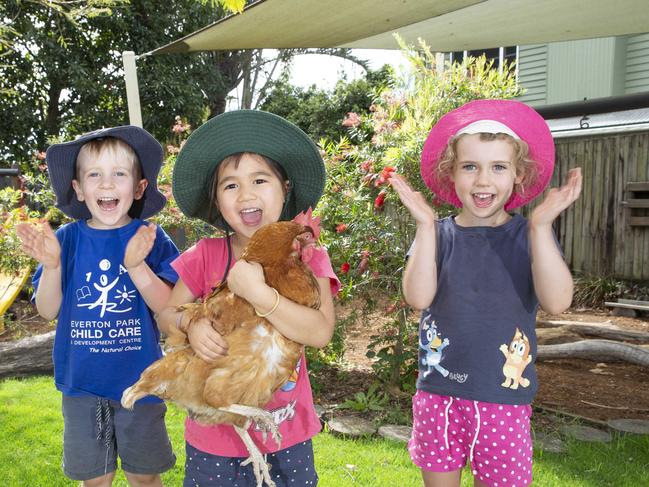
(591, 389)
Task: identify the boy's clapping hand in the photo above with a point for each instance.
(40, 243)
(139, 246)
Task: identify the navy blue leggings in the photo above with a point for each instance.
(289, 467)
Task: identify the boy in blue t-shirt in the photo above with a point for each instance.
(104, 276)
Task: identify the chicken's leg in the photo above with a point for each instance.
(259, 465)
(261, 417)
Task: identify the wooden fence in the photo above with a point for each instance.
(606, 232)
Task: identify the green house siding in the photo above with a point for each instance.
(594, 68)
(637, 64)
(533, 72)
(582, 69)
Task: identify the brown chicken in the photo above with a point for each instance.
(234, 388)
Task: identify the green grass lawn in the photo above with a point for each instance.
(31, 440)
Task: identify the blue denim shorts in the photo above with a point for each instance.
(96, 431)
(289, 467)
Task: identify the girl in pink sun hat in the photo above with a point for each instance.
(479, 278)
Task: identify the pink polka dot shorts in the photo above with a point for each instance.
(494, 437)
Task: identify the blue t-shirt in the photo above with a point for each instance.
(477, 338)
(106, 334)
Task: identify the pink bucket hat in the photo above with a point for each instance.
(492, 116)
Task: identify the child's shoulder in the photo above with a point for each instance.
(69, 228)
(211, 242)
(207, 247)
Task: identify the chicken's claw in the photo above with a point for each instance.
(260, 468)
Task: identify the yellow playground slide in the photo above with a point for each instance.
(10, 286)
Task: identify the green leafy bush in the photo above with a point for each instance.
(32, 201)
(372, 400)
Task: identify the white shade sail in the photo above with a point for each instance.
(445, 25)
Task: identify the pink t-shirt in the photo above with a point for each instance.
(200, 268)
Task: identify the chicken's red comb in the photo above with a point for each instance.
(307, 219)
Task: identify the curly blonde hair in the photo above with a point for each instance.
(524, 166)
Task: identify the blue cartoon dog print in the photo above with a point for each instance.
(432, 345)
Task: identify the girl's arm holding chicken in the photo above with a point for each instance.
(299, 323)
(204, 340)
(311, 327)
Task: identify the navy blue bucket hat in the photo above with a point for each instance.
(62, 161)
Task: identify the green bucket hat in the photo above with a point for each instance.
(247, 131)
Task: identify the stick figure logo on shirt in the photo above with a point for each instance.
(104, 287)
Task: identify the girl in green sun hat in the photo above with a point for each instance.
(240, 171)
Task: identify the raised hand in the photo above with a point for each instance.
(413, 201)
(558, 199)
(40, 243)
(139, 245)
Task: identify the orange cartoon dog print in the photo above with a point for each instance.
(517, 357)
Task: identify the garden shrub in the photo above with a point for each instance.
(593, 291)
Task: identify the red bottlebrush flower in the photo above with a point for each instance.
(352, 120)
(379, 201)
(341, 227)
(344, 268)
(387, 172)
